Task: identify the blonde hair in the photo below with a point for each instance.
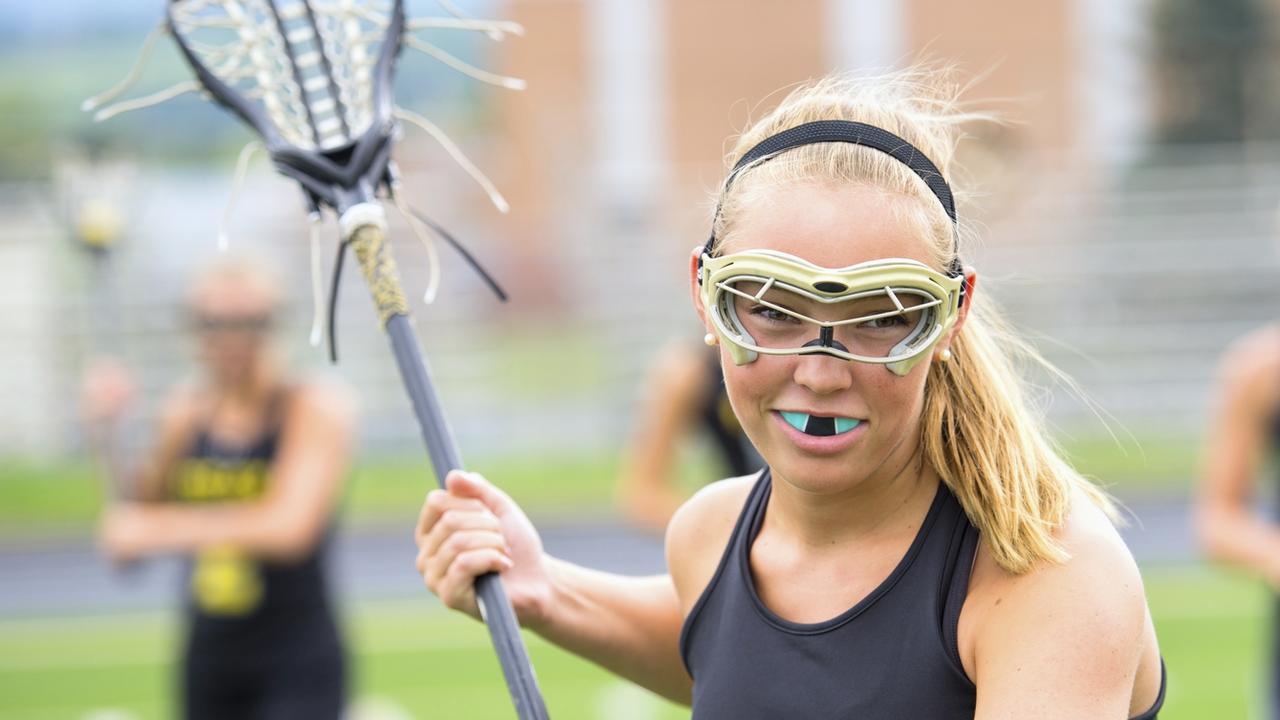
(978, 430)
(238, 273)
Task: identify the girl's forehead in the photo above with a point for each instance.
(832, 227)
(232, 297)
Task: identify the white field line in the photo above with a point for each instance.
(109, 714)
(368, 707)
(623, 701)
(75, 712)
(376, 707)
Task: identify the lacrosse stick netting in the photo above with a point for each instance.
(313, 78)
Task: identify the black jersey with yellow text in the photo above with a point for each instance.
(261, 632)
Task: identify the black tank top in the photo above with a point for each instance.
(716, 415)
(238, 603)
(893, 655)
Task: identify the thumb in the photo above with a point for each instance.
(461, 483)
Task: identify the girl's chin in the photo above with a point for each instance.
(818, 475)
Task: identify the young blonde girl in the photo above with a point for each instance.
(915, 547)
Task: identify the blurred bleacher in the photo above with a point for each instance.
(1132, 283)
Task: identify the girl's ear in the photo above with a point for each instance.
(970, 283)
(695, 290)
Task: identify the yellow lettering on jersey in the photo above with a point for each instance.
(226, 582)
(203, 480)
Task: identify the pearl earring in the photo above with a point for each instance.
(710, 339)
(945, 355)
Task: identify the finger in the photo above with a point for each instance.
(474, 485)
(434, 561)
(459, 583)
(437, 503)
(440, 550)
(432, 507)
(455, 521)
(437, 564)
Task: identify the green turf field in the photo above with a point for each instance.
(414, 657)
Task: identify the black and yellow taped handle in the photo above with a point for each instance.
(379, 268)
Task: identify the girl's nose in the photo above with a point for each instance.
(823, 374)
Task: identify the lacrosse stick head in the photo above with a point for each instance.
(312, 77)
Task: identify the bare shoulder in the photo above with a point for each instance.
(699, 532)
(322, 399)
(1099, 580)
(1263, 341)
(1253, 358)
(1088, 616)
(182, 407)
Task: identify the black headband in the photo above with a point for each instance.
(857, 133)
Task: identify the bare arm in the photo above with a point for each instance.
(1064, 641)
(628, 625)
(644, 615)
(654, 609)
(1228, 527)
(106, 395)
(312, 459)
(647, 487)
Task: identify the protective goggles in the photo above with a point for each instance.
(888, 312)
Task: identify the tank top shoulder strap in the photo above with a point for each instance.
(1159, 703)
(954, 587)
(198, 436)
(277, 409)
(741, 529)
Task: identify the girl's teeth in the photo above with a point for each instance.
(796, 420)
(844, 425)
(819, 425)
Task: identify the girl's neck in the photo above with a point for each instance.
(885, 502)
(253, 389)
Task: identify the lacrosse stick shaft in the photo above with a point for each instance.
(379, 270)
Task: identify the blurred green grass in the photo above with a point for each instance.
(64, 496)
(433, 664)
(410, 653)
(1214, 629)
(1136, 465)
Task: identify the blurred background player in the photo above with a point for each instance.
(1245, 431)
(684, 398)
(244, 480)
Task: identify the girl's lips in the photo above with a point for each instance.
(816, 445)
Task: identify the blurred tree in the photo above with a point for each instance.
(1213, 69)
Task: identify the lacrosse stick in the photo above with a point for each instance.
(93, 188)
(313, 79)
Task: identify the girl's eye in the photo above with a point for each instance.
(884, 323)
(771, 314)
